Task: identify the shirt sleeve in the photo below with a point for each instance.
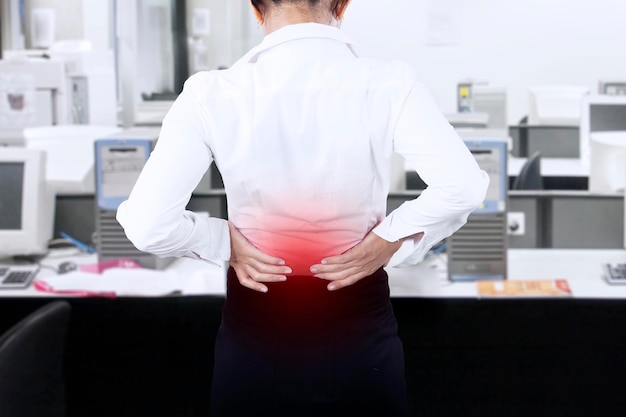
(456, 185)
(154, 217)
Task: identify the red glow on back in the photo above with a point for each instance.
(301, 247)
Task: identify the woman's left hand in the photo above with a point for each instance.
(252, 266)
(357, 263)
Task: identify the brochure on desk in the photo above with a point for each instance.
(128, 278)
(524, 288)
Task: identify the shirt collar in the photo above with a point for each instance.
(299, 31)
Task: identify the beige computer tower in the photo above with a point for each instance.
(111, 240)
(478, 251)
(112, 243)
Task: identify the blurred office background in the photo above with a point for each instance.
(537, 88)
(516, 44)
(545, 76)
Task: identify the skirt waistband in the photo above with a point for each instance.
(302, 312)
(304, 296)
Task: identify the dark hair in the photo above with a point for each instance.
(261, 4)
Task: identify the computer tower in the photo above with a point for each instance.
(491, 100)
(118, 161)
(478, 251)
(465, 94)
(112, 243)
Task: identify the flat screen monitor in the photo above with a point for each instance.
(600, 113)
(465, 94)
(491, 100)
(491, 156)
(26, 203)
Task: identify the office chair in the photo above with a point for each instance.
(529, 177)
(31, 364)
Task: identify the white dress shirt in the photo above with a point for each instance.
(302, 130)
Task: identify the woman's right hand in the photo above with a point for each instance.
(252, 266)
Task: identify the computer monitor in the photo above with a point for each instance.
(491, 100)
(465, 94)
(476, 96)
(478, 250)
(555, 105)
(118, 165)
(600, 113)
(491, 156)
(499, 135)
(607, 173)
(26, 203)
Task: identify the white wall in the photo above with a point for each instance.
(513, 43)
(98, 23)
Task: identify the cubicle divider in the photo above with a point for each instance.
(569, 220)
(74, 214)
(551, 140)
(553, 219)
(559, 219)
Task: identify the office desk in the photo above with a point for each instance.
(581, 268)
(184, 276)
(152, 356)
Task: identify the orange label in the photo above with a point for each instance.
(557, 287)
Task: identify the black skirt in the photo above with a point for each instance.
(301, 350)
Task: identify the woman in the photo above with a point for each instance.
(302, 130)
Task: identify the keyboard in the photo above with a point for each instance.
(615, 273)
(17, 276)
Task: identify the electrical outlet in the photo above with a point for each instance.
(516, 223)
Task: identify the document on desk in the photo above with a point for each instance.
(113, 282)
(524, 288)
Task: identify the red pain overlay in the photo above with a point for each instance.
(301, 249)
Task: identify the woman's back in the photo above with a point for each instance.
(301, 131)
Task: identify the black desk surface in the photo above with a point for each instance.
(464, 357)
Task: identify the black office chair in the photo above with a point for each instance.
(529, 177)
(31, 364)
